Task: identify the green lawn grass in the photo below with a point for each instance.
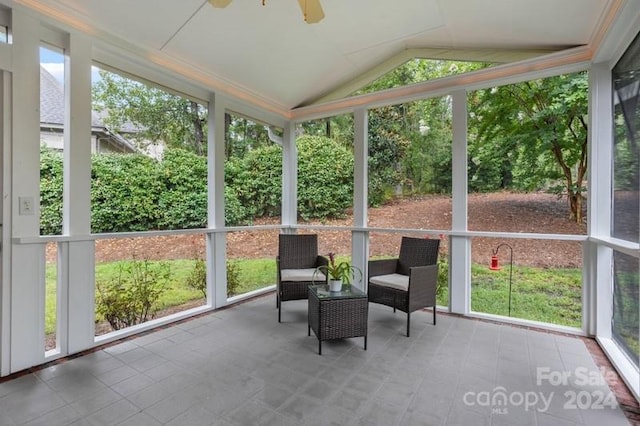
(547, 295)
(51, 300)
(256, 273)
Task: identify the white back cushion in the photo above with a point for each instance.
(307, 274)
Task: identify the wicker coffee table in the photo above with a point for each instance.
(337, 315)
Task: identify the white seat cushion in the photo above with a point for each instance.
(308, 274)
(397, 281)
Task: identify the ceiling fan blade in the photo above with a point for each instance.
(219, 3)
(311, 10)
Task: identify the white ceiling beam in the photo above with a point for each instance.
(571, 60)
(498, 56)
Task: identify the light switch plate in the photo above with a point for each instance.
(25, 206)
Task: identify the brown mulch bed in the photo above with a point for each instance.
(500, 212)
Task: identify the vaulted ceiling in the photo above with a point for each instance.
(270, 53)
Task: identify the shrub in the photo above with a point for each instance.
(233, 277)
(325, 181)
(125, 191)
(132, 192)
(183, 202)
(235, 213)
(253, 185)
(197, 279)
(263, 181)
(443, 277)
(325, 178)
(131, 297)
(50, 192)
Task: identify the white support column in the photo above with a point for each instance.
(597, 279)
(77, 312)
(5, 250)
(216, 243)
(360, 239)
(289, 176)
(27, 275)
(77, 136)
(460, 247)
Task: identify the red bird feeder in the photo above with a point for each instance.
(495, 265)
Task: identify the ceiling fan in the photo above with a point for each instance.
(311, 9)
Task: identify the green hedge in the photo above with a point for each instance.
(125, 193)
(325, 178)
(50, 192)
(183, 201)
(132, 192)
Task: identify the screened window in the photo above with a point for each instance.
(626, 155)
(626, 200)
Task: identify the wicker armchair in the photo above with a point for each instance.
(409, 282)
(296, 265)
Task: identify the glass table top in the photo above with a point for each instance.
(348, 292)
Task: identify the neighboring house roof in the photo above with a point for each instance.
(51, 99)
(52, 113)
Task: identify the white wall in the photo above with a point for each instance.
(26, 322)
(52, 140)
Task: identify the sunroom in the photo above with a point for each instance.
(257, 68)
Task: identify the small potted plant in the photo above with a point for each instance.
(338, 273)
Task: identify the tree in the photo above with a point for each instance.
(339, 128)
(157, 115)
(243, 135)
(536, 134)
(410, 144)
(387, 146)
(427, 163)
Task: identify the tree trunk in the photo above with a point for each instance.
(227, 126)
(199, 132)
(576, 202)
(574, 196)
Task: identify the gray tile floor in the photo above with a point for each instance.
(238, 366)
